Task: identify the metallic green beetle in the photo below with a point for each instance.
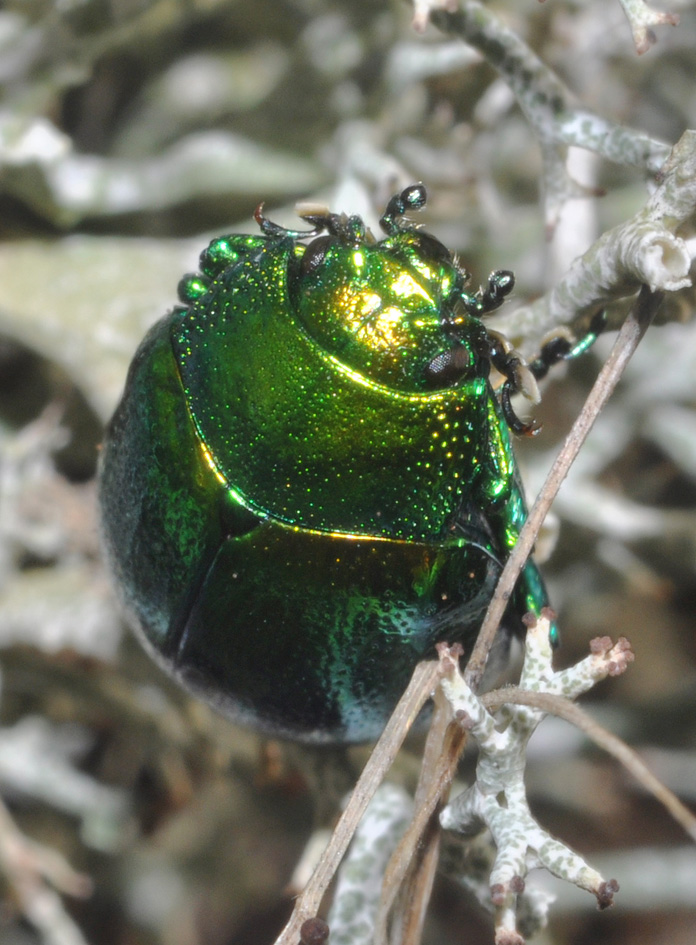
(309, 479)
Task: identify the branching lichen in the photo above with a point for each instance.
(357, 895)
(497, 799)
(644, 250)
(548, 106)
(642, 19)
(38, 875)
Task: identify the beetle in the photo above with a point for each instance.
(309, 480)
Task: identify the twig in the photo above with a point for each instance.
(424, 680)
(411, 870)
(626, 343)
(545, 100)
(649, 249)
(37, 874)
(547, 105)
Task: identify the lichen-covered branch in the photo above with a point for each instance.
(642, 19)
(497, 799)
(38, 875)
(644, 250)
(548, 105)
(545, 100)
(358, 890)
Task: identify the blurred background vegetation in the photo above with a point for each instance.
(131, 132)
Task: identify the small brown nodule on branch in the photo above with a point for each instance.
(314, 932)
(605, 893)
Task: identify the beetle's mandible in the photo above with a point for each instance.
(309, 479)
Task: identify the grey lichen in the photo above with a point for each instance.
(497, 799)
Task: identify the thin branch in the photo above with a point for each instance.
(647, 249)
(38, 875)
(626, 343)
(410, 873)
(424, 680)
(545, 100)
(361, 874)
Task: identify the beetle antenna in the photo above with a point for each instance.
(412, 198)
(500, 285)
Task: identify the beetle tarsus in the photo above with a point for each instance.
(517, 426)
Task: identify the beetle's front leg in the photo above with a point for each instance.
(518, 379)
(560, 347)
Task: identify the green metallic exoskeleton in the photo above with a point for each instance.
(309, 479)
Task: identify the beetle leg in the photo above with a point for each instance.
(518, 379)
(561, 348)
(522, 377)
(513, 421)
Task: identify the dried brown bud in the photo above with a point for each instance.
(498, 894)
(463, 718)
(314, 932)
(600, 644)
(508, 937)
(605, 893)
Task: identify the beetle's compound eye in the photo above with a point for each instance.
(448, 367)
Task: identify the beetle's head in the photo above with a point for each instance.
(393, 310)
